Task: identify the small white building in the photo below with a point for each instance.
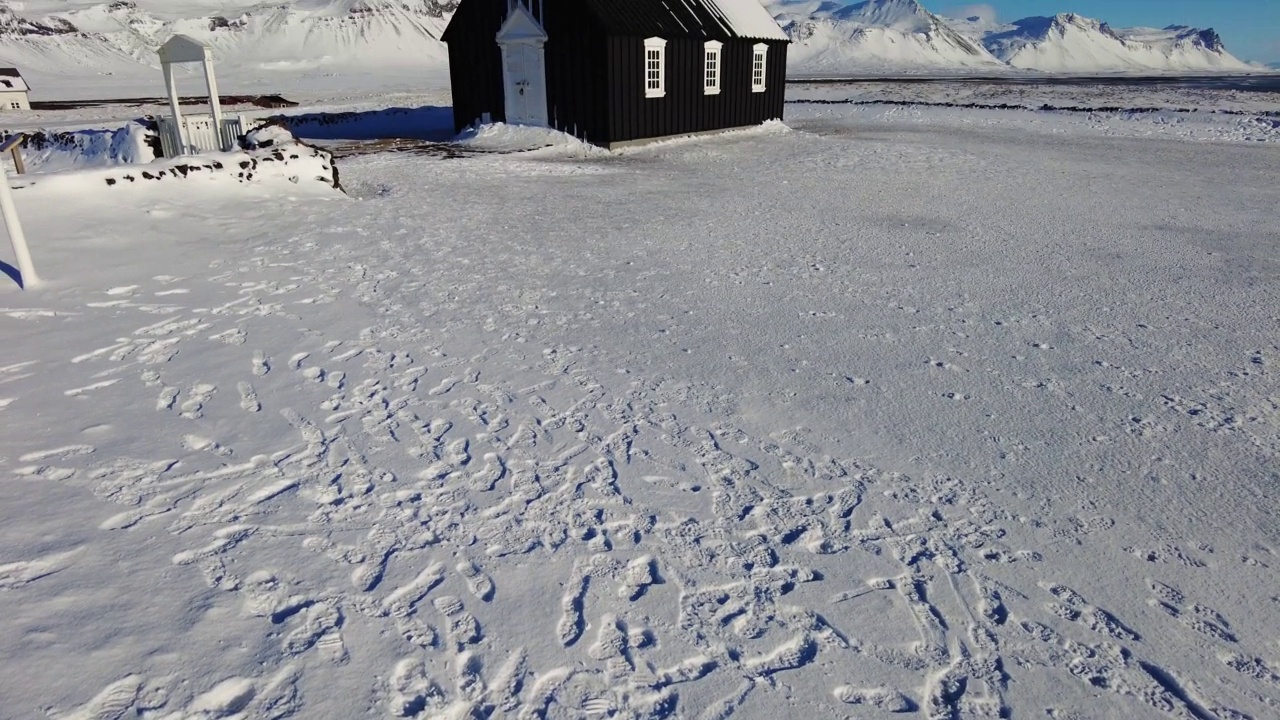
(13, 90)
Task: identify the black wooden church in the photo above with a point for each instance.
(614, 72)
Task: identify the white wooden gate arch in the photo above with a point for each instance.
(183, 136)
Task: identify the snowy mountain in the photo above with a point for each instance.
(1072, 43)
(901, 34)
(298, 35)
(256, 41)
(827, 36)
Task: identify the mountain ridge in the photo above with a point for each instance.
(1070, 42)
(885, 32)
(65, 37)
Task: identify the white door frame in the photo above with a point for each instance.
(521, 38)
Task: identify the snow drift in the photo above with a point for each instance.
(273, 157)
(46, 151)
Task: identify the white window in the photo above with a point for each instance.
(758, 54)
(16, 106)
(711, 68)
(655, 67)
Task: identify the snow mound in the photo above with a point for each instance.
(268, 135)
(504, 138)
(764, 129)
(292, 165)
(501, 138)
(48, 151)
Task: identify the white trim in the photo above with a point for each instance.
(654, 66)
(521, 28)
(712, 67)
(524, 75)
(760, 55)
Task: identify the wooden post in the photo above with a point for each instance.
(18, 164)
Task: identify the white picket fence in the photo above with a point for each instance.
(201, 134)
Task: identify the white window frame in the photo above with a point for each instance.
(655, 62)
(712, 68)
(760, 55)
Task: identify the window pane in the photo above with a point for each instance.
(653, 62)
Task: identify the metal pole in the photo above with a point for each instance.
(19, 240)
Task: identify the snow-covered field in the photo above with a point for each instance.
(944, 412)
(1236, 95)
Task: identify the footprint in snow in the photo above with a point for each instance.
(248, 398)
(201, 393)
(1200, 618)
(261, 363)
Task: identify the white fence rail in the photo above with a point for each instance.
(201, 134)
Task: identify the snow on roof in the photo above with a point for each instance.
(748, 19)
(710, 19)
(12, 81)
(183, 48)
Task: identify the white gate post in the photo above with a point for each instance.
(183, 148)
(14, 226)
(215, 102)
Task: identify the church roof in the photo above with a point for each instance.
(712, 19)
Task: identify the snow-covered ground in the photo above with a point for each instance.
(957, 413)
(1200, 95)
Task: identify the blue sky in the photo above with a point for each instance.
(1250, 28)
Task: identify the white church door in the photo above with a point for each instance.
(524, 72)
